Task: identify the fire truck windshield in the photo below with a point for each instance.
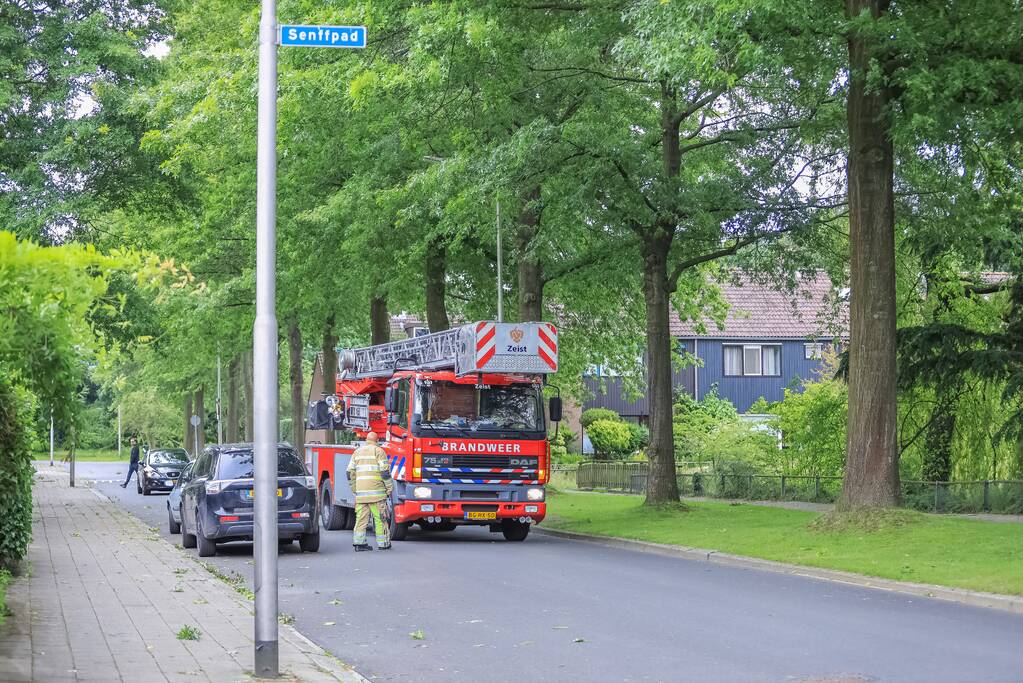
(443, 406)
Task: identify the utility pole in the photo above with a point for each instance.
(264, 344)
(500, 258)
(51, 437)
(118, 431)
(220, 427)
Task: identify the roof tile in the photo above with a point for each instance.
(764, 311)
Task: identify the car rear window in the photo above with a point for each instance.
(238, 464)
(168, 458)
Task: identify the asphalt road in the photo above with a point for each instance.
(556, 610)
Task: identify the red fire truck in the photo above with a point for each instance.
(461, 416)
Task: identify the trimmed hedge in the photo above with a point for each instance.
(15, 477)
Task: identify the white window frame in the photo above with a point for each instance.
(746, 348)
(759, 351)
(813, 350)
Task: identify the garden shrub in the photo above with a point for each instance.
(15, 474)
(593, 414)
(610, 438)
(639, 437)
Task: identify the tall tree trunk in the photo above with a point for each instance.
(379, 321)
(329, 365)
(436, 286)
(662, 486)
(872, 467)
(247, 381)
(530, 269)
(233, 370)
(200, 410)
(297, 397)
(189, 443)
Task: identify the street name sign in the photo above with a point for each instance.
(321, 36)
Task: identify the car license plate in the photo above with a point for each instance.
(171, 482)
(481, 515)
(250, 494)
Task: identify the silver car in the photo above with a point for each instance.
(174, 501)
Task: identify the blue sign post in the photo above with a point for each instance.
(321, 36)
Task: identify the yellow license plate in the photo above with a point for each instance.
(481, 515)
(250, 494)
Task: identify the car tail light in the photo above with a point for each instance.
(299, 515)
(229, 518)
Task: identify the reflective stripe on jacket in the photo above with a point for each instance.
(369, 474)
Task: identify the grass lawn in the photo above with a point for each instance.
(85, 454)
(948, 551)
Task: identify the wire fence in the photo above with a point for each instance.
(701, 479)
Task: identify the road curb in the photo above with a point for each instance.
(1005, 603)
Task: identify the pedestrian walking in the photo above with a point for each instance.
(133, 464)
(369, 475)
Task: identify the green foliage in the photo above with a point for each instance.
(15, 475)
(711, 430)
(610, 438)
(189, 633)
(639, 437)
(96, 429)
(5, 580)
(61, 153)
(812, 422)
(153, 416)
(593, 414)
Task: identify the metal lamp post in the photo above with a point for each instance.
(264, 352)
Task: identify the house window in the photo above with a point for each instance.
(733, 360)
(420, 331)
(752, 360)
(813, 351)
(772, 360)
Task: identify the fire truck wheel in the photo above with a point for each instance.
(398, 531)
(514, 531)
(349, 515)
(331, 516)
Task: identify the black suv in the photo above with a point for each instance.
(160, 469)
(216, 499)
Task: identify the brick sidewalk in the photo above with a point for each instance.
(104, 599)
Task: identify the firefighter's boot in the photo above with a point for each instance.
(362, 547)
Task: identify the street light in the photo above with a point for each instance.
(264, 353)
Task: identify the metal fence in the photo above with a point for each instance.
(700, 479)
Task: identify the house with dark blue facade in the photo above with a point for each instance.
(770, 339)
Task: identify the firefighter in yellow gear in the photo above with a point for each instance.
(369, 475)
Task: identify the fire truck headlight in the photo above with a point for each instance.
(422, 492)
(534, 494)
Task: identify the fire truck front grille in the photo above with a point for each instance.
(479, 508)
(494, 461)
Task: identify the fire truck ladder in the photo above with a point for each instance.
(436, 351)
